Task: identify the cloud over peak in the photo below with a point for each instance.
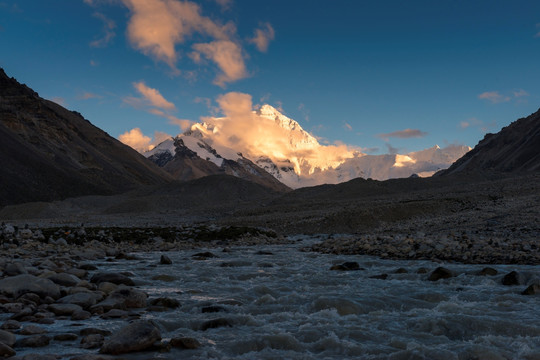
(404, 134)
(153, 96)
(228, 57)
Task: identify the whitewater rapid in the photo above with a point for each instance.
(284, 303)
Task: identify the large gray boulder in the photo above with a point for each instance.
(16, 286)
(137, 336)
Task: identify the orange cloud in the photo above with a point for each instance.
(153, 96)
(228, 57)
(183, 123)
(140, 142)
(404, 134)
(263, 37)
(136, 139)
(155, 27)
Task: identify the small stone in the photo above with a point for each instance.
(380, 277)
(213, 309)
(11, 325)
(422, 270)
(215, 323)
(346, 266)
(185, 343)
(115, 314)
(533, 289)
(64, 309)
(114, 278)
(401, 271)
(165, 260)
(203, 255)
(440, 273)
(165, 302)
(90, 331)
(92, 341)
(80, 315)
(488, 271)
(65, 337)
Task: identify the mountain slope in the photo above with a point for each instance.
(49, 153)
(514, 149)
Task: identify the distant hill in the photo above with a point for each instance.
(50, 153)
(514, 149)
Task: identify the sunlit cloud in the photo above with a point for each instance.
(520, 93)
(153, 96)
(228, 57)
(494, 97)
(156, 27)
(59, 100)
(391, 150)
(93, 63)
(478, 124)
(225, 4)
(89, 95)
(184, 124)
(140, 142)
(263, 36)
(108, 30)
(403, 134)
(538, 33)
(136, 139)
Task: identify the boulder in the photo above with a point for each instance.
(16, 286)
(440, 273)
(92, 341)
(32, 330)
(33, 341)
(165, 302)
(533, 289)
(15, 268)
(7, 338)
(114, 278)
(131, 298)
(137, 336)
(83, 299)
(512, 278)
(487, 271)
(64, 309)
(64, 279)
(6, 350)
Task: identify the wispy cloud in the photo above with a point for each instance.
(153, 96)
(108, 30)
(538, 33)
(263, 36)
(478, 124)
(59, 100)
(225, 4)
(403, 134)
(182, 123)
(88, 95)
(347, 127)
(494, 97)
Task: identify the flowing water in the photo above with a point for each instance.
(284, 303)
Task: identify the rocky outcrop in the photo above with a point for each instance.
(136, 336)
(514, 149)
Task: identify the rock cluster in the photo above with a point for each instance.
(49, 274)
(462, 247)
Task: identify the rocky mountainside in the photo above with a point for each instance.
(277, 145)
(514, 149)
(49, 153)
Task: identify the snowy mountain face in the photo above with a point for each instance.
(270, 141)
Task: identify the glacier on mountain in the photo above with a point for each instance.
(272, 141)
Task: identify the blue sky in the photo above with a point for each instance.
(377, 75)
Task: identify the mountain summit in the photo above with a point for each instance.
(265, 141)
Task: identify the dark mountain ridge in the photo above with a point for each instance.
(49, 153)
(514, 149)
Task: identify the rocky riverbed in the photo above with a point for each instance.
(98, 293)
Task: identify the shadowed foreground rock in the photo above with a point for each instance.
(137, 336)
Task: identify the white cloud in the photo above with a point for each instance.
(520, 93)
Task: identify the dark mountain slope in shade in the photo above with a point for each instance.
(514, 149)
(49, 153)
